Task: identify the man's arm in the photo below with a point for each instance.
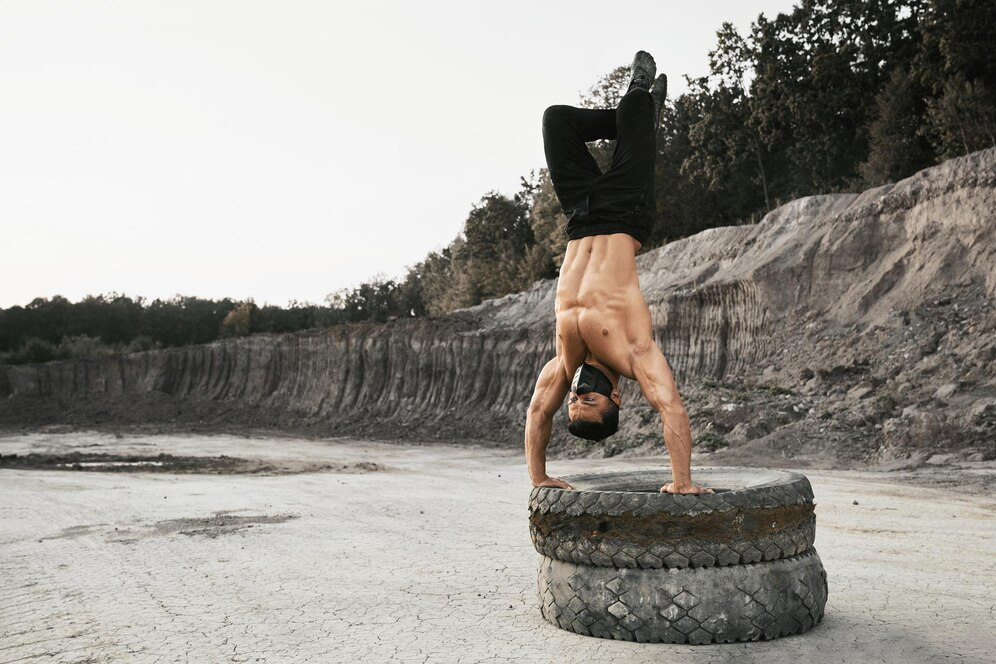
(652, 372)
(548, 396)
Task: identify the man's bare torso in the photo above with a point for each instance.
(602, 317)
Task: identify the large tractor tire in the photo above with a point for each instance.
(621, 560)
(620, 519)
(714, 605)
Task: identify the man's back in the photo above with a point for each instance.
(601, 313)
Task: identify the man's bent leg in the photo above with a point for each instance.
(636, 149)
(566, 129)
(625, 193)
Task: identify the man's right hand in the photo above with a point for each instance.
(554, 482)
(693, 489)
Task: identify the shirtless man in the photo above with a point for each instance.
(604, 328)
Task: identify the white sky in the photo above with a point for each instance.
(283, 150)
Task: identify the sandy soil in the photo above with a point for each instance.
(349, 551)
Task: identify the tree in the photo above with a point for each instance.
(608, 90)
(817, 73)
(726, 152)
(963, 118)
(957, 40)
(495, 224)
(684, 206)
(497, 237)
(956, 63)
(897, 147)
(238, 322)
(430, 279)
(548, 224)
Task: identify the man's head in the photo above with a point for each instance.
(592, 405)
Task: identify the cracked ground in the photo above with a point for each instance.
(418, 554)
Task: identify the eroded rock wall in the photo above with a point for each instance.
(821, 283)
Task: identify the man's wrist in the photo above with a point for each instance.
(680, 479)
(537, 472)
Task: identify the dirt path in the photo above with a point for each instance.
(424, 556)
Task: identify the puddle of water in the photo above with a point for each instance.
(98, 464)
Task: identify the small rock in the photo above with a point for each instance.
(940, 459)
(739, 434)
(945, 391)
(860, 391)
(910, 411)
(855, 502)
(981, 408)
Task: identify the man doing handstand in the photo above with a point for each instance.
(603, 323)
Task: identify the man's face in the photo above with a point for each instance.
(590, 407)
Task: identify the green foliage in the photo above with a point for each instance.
(141, 343)
(430, 281)
(57, 329)
(497, 237)
(956, 65)
(548, 223)
(35, 350)
(238, 322)
(956, 41)
(497, 253)
(607, 91)
(39, 350)
(684, 206)
(834, 95)
(896, 142)
(963, 118)
(377, 301)
(726, 154)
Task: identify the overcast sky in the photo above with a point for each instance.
(284, 150)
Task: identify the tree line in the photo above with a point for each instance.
(837, 95)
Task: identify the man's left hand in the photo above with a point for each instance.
(555, 483)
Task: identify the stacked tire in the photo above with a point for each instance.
(621, 560)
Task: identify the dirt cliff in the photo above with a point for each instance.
(855, 328)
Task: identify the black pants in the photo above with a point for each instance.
(620, 200)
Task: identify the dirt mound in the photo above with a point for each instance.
(840, 330)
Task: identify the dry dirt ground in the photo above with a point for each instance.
(349, 551)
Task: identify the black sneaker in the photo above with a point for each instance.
(659, 93)
(644, 68)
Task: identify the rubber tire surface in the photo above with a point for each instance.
(621, 520)
(715, 605)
